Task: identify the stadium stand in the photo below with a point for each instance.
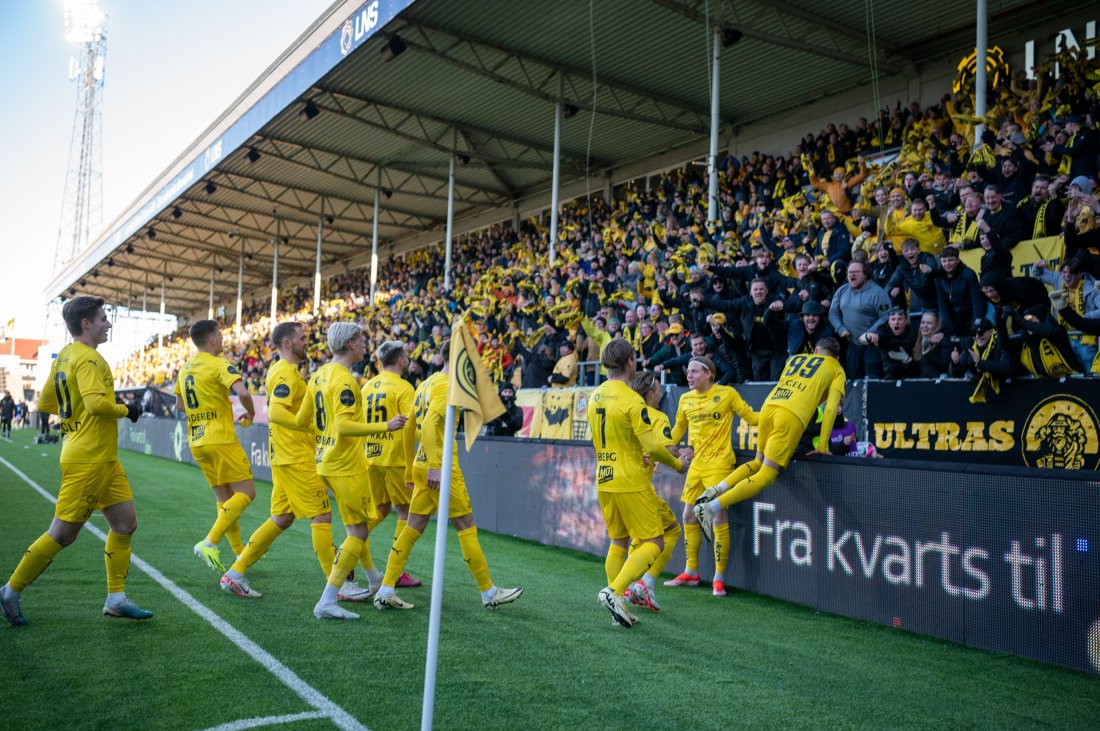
(646, 265)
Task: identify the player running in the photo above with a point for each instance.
(334, 405)
(80, 390)
(297, 489)
(706, 414)
(807, 380)
(622, 432)
(431, 412)
(390, 454)
(202, 392)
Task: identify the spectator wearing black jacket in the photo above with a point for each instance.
(932, 349)
(1045, 348)
(511, 421)
(674, 347)
(833, 240)
(1078, 148)
(1010, 297)
(882, 265)
(973, 357)
(812, 325)
(762, 326)
(958, 295)
(763, 267)
(811, 285)
(998, 221)
(913, 277)
(536, 364)
(895, 340)
(730, 354)
(1040, 213)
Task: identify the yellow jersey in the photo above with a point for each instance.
(707, 418)
(430, 406)
(333, 392)
(384, 397)
(806, 381)
(203, 383)
(79, 379)
(286, 388)
(662, 430)
(616, 416)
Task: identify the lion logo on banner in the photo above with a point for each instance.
(1061, 433)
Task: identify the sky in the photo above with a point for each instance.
(171, 69)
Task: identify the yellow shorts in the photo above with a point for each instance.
(778, 433)
(387, 485)
(297, 489)
(352, 498)
(665, 514)
(90, 486)
(702, 478)
(425, 501)
(633, 514)
(222, 464)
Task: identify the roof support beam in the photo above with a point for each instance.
(796, 44)
(548, 97)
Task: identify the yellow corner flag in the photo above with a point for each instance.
(471, 389)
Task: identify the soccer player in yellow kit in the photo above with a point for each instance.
(334, 405)
(622, 433)
(202, 391)
(706, 414)
(642, 592)
(80, 390)
(806, 382)
(431, 411)
(297, 489)
(390, 455)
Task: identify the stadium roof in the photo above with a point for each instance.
(332, 121)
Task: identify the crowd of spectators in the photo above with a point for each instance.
(857, 233)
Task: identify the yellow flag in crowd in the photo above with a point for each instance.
(471, 389)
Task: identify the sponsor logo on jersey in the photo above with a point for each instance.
(281, 391)
(347, 398)
(606, 473)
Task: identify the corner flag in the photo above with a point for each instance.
(471, 388)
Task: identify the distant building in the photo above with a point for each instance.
(19, 358)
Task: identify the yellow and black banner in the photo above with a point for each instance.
(470, 388)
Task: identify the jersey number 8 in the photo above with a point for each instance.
(319, 409)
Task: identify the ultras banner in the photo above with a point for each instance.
(1043, 424)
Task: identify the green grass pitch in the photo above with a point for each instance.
(551, 661)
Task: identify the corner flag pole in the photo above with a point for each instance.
(437, 569)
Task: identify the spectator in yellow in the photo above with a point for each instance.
(918, 225)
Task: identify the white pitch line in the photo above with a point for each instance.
(267, 721)
(285, 675)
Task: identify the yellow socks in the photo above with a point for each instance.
(367, 558)
(322, 545)
(399, 555)
(746, 488)
(228, 514)
(474, 558)
(400, 527)
(616, 558)
(257, 546)
(35, 560)
(672, 536)
(693, 538)
(638, 563)
(721, 548)
(743, 472)
(116, 555)
(349, 554)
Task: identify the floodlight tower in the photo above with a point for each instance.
(82, 206)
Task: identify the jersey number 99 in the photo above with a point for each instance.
(803, 366)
